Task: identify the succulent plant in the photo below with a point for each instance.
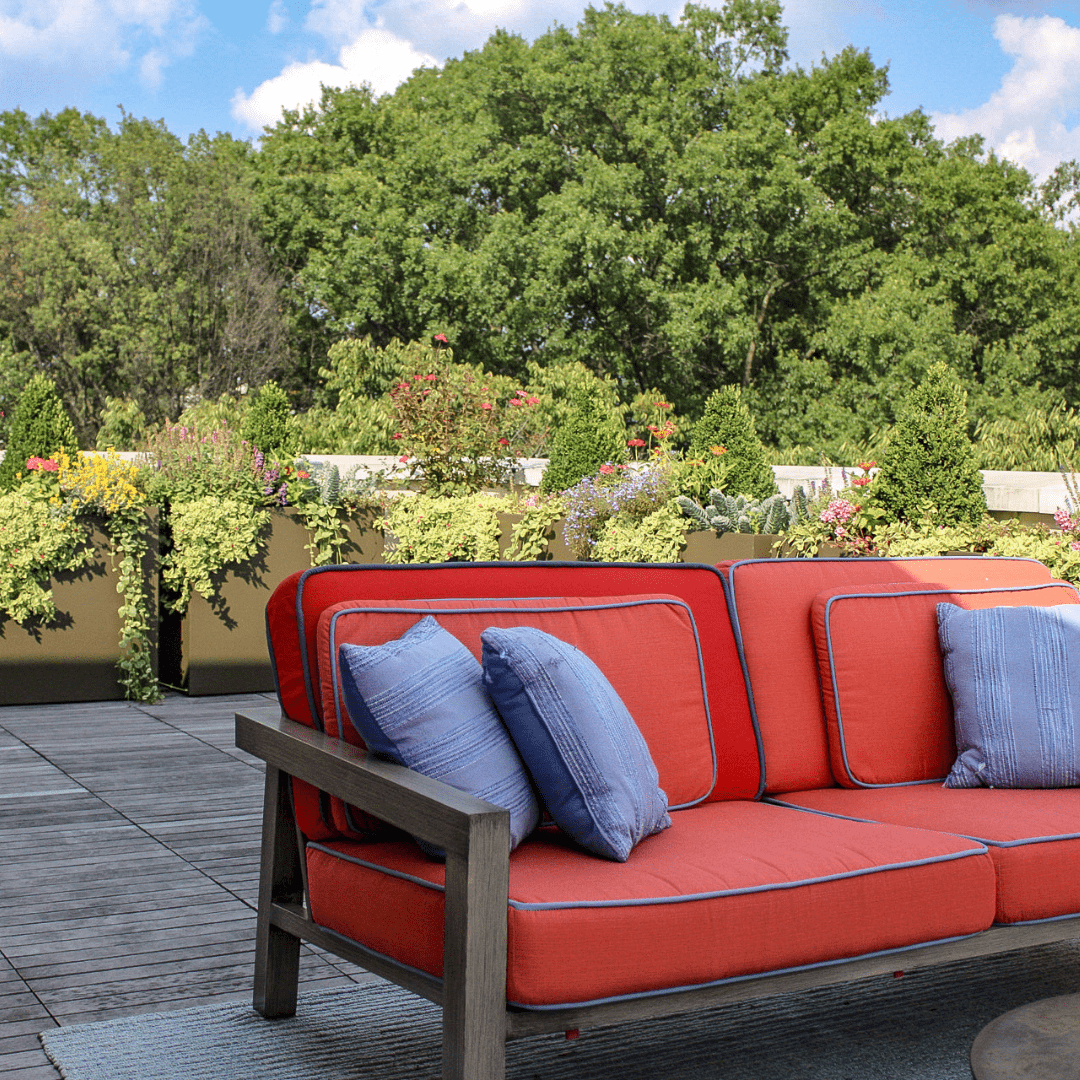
(736, 513)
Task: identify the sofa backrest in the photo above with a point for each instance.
(771, 602)
(294, 610)
(888, 710)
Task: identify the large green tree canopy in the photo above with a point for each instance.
(672, 205)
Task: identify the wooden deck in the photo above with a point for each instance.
(129, 857)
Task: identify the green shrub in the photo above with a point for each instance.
(40, 427)
(208, 413)
(266, 424)
(584, 442)
(123, 425)
(656, 538)
(727, 422)
(1039, 441)
(929, 467)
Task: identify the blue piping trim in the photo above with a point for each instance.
(1024, 842)
(1049, 919)
(909, 592)
(497, 608)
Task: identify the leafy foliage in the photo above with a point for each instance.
(40, 427)
(929, 465)
(123, 425)
(727, 423)
(443, 528)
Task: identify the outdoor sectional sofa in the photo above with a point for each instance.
(800, 724)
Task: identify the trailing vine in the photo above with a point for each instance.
(529, 536)
(127, 531)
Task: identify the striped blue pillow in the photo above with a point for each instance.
(1014, 676)
(587, 757)
(420, 701)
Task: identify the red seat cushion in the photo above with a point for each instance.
(1033, 836)
(647, 646)
(770, 601)
(887, 706)
(732, 888)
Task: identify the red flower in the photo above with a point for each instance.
(504, 442)
(607, 470)
(398, 435)
(442, 338)
(486, 406)
(303, 474)
(403, 458)
(860, 481)
(662, 404)
(635, 442)
(866, 466)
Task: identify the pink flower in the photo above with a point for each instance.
(403, 458)
(838, 512)
(398, 435)
(517, 401)
(635, 442)
(441, 338)
(487, 406)
(607, 470)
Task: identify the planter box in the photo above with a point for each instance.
(73, 658)
(220, 647)
(704, 546)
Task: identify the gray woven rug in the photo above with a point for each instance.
(919, 1027)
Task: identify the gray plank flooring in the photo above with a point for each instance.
(129, 864)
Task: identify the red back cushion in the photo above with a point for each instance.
(770, 603)
(887, 707)
(660, 678)
(293, 611)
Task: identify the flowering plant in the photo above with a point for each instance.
(454, 433)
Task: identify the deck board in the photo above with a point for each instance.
(129, 841)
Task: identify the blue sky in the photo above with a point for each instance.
(1010, 71)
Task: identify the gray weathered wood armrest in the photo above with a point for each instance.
(428, 808)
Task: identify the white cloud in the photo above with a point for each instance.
(1025, 119)
(98, 36)
(375, 56)
(277, 18)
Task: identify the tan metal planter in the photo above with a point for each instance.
(73, 658)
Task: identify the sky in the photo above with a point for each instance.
(1009, 71)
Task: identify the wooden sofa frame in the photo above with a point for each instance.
(475, 836)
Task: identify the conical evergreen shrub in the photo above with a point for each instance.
(40, 427)
(266, 423)
(585, 441)
(728, 422)
(929, 465)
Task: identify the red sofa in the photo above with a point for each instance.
(797, 715)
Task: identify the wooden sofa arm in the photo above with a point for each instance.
(476, 838)
(427, 808)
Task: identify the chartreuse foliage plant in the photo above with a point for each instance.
(443, 528)
(39, 428)
(727, 427)
(529, 535)
(929, 467)
(209, 534)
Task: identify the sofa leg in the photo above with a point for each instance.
(474, 961)
(277, 953)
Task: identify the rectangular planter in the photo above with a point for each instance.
(220, 648)
(705, 546)
(73, 658)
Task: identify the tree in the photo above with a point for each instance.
(129, 264)
(929, 466)
(39, 428)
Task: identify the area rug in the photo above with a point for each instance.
(918, 1027)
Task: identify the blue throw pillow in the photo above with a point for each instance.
(586, 755)
(420, 701)
(1014, 676)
